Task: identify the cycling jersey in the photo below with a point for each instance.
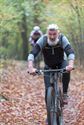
(53, 55)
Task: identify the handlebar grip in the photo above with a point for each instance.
(37, 72)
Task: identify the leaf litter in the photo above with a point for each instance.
(25, 101)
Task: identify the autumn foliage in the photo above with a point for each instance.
(23, 95)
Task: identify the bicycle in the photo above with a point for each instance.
(54, 96)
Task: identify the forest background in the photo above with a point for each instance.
(17, 18)
(20, 102)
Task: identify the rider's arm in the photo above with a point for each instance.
(31, 57)
(69, 52)
(36, 49)
(68, 48)
(71, 63)
(30, 64)
(34, 53)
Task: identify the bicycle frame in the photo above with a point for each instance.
(54, 78)
(57, 109)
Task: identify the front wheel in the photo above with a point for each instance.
(60, 109)
(54, 107)
(51, 114)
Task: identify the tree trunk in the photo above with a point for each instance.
(24, 37)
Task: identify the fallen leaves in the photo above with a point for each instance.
(25, 94)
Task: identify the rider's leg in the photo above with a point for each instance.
(65, 81)
(46, 83)
(66, 77)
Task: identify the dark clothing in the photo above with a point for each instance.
(54, 56)
(65, 78)
(65, 75)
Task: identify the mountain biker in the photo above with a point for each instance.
(54, 46)
(35, 34)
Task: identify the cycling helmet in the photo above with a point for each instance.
(52, 26)
(36, 28)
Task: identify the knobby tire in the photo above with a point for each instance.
(51, 115)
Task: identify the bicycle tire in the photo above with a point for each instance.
(49, 100)
(60, 109)
(51, 115)
(57, 115)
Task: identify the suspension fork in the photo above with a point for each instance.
(56, 91)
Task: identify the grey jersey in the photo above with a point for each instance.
(68, 51)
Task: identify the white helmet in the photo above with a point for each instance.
(36, 28)
(52, 26)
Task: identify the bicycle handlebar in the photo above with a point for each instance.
(62, 70)
(51, 70)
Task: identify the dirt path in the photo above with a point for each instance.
(25, 98)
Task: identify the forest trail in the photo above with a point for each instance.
(24, 97)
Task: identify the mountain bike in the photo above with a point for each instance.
(54, 96)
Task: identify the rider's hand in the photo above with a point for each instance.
(70, 67)
(32, 71)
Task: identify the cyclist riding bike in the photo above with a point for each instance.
(35, 34)
(54, 46)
